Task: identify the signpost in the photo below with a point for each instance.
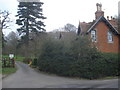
(11, 57)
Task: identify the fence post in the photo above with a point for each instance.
(4, 62)
(13, 63)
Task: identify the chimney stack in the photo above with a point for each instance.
(99, 11)
(111, 18)
(107, 17)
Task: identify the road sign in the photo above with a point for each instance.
(11, 56)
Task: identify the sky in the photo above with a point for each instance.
(61, 12)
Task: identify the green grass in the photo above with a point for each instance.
(5, 56)
(8, 70)
(17, 58)
(108, 77)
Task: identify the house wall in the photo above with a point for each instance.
(102, 41)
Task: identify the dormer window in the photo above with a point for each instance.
(93, 36)
(110, 37)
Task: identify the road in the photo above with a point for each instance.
(26, 77)
(0, 80)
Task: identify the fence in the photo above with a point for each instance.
(7, 62)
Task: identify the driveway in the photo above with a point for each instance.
(0, 81)
(26, 77)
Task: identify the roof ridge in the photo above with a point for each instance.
(98, 21)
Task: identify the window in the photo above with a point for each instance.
(93, 36)
(110, 37)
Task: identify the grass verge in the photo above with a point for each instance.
(9, 70)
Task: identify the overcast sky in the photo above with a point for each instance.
(61, 12)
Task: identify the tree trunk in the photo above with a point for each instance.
(27, 40)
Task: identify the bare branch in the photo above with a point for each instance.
(5, 20)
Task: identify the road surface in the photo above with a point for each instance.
(26, 77)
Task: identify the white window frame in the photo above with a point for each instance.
(93, 36)
(110, 37)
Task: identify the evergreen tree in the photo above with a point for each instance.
(60, 36)
(79, 29)
(30, 19)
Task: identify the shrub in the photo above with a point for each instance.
(80, 59)
(53, 58)
(27, 60)
(34, 62)
(111, 63)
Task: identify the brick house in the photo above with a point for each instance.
(103, 32)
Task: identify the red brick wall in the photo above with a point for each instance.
(102, 41)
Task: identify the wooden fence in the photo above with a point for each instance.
(7, 62)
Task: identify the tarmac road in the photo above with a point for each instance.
(26, 77)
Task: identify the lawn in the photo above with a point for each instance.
(19, 58)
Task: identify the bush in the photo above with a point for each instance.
(80, 59)
(34, 62)
(111, 63)
(53, 58)
(27, 60)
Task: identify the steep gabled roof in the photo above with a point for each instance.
(102, 18)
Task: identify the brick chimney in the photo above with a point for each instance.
(99, 11)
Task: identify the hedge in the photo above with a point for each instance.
(80, 60)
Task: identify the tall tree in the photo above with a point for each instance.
(4, 23)
(30, 19)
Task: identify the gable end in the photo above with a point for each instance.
(106, 22)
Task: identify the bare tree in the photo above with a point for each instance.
(4, 23)
(70, 28)
(5, 19)
(11, 43)
(0, 40)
